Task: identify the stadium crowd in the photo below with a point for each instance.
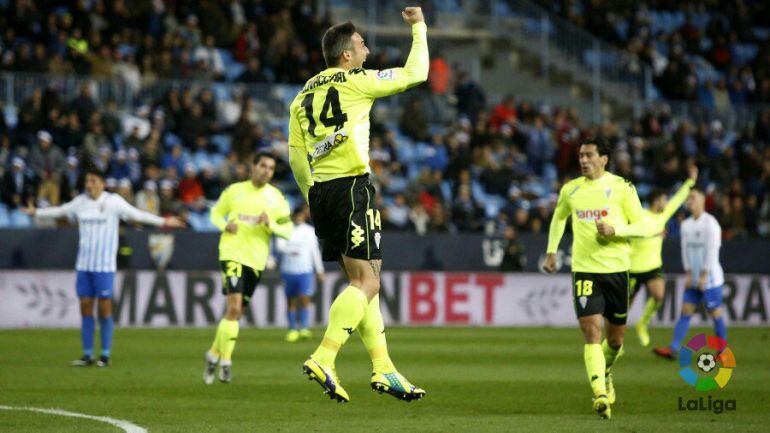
(489, 167)
(716, 52)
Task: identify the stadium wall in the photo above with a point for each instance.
(55, 249)
(193, 298)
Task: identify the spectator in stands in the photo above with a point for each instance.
(514, 257)
(503, 113)
(70, 178)
(47, 163)
(147, 198)
(471, 99)
(398, 213)
(190, 188)
(19, 187)
(413, 122)
(253, 73)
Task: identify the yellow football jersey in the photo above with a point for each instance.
(243, 203)
(610, 198)
(646, 251)
(329, 118)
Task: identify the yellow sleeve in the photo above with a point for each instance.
(377, 84)
(678, 199)
(280, 222)
(220, 210)
(558, 222)
(298, 162)
(632, 208)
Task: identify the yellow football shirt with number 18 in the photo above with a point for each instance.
(610, 198)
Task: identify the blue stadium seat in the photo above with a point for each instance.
(5, 221)
(19, 219)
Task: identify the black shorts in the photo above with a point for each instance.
(345, 219)
(639, 278)
(239, 278)
(605, 294)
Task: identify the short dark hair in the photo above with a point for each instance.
(93, 170)
(335, 41)
(655, 194)
(698, 189)
(258, 157)
(603, 146)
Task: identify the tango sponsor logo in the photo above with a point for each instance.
(591, 214)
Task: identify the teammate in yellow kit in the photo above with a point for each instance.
(646, 261)
(247, 213)
(604, 209)
(329, 132)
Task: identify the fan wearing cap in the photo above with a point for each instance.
(47, 161)
(98, 214)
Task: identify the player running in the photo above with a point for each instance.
(300, 256)
(601, 205)
(646, 261)
(701, 240)
(247, 213)
(329, 131)
(98, 214)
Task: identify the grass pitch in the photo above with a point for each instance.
(478, 380)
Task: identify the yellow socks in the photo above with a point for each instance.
(610, 354)
(594, 359)
(650, 308)
(215, 346)
(224, 342)
(372, 330)
(345, 314)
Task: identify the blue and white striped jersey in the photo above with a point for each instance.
(701, 240)
(300, 254)
(98, 222)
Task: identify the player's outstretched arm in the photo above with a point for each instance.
(66, 210)
(415, 70)
(681, 195)
(131, 213)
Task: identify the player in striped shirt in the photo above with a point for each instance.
(98, 214)
(701, 241)
(300, 256)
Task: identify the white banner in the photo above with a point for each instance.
(177, 298)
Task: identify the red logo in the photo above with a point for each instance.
(591, 214)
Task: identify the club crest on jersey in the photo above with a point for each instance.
(591, 214)
(386, 75)
(607, 192)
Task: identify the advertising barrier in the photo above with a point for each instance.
(179, 298)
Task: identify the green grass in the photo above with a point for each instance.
(496, 380)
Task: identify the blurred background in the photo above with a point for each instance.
(172, 99)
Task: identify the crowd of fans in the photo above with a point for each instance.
(716, 52)
(488, 169)
(448, 162)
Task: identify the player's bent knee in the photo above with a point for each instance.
(688, 309)
(716, 312)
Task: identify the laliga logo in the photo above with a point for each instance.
(710, 374)
(592, 214)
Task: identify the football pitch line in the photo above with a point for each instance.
(126, 426)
